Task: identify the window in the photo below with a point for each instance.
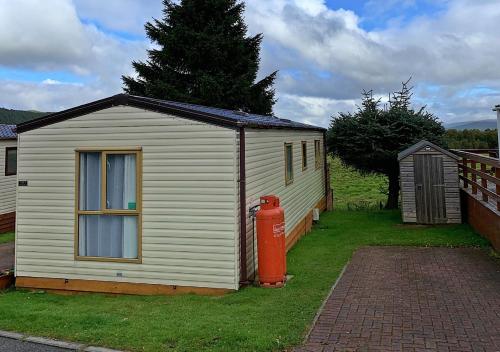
(10, 161)
(304, 155)
(288, 163)
(108, 205)
(317, 153)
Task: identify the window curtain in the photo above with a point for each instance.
(108, 235)
(90, 181)
(121, 194)
(120, 183)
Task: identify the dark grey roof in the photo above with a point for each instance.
(422, 144)
(239, 116)
(222, 117)
(8, 132)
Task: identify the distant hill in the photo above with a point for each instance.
(14, 117)
(471, 125)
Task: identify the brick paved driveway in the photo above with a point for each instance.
(6, 256)
(412, 299)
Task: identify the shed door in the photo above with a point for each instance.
(429, 189)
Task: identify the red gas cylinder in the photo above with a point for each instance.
(271, 242)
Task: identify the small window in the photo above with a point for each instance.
(288, 163)
(108, 212)
(304, 156)
(317, 153)
(10, 161)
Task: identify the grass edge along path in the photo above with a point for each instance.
(252, 319)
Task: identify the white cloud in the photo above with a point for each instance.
(313, 110)
(49, 81)
(454, 49)
(59, 41)
(46, 97)
(41, 34)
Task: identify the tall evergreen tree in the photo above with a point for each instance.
(203, 56)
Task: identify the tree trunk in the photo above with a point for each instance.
(393, 198)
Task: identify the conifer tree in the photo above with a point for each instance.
(203, 55)
(371, 138)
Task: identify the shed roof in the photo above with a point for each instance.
(221, 117)
(8, 132)
(422, 144)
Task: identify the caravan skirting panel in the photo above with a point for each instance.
(7, 222)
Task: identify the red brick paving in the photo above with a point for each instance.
(412, 299)
(6, 256)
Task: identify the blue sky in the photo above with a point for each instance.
(326, 52)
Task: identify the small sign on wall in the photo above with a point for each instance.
(22, 183)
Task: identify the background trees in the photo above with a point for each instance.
(471, 139)
(203, 56)
(370, 139)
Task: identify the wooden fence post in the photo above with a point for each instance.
(484, 182)
(464, 163)
(474, 177)
(497, 175)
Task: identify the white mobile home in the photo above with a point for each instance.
(8, 167)
(137, 195)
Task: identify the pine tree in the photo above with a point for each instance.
(203, 56)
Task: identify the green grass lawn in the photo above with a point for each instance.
(7, 237)
(351, 190)
(252, 319)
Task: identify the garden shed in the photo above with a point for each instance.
(143, 196)
(430, 192)
(8, 170)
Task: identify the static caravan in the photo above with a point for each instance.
(142, 196)
(8, 165)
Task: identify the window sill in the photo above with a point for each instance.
(109, 259)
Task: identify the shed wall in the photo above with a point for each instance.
(7, 183)
(451, 181)
(265, 174)
(189, 230)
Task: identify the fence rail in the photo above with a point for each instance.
(476, 165)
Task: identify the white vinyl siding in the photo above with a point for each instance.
(7, 183)
(189, 226)
(265, 175)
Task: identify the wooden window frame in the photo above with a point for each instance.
(288, 178)
(7, 173)
(317, 153)
(304, 156)
(104, 211)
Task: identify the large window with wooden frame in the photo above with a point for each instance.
(304, 155)
(108, 205)
(317, 153)
(288, 163)
(10, 161)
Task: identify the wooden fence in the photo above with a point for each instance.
(480, 174)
